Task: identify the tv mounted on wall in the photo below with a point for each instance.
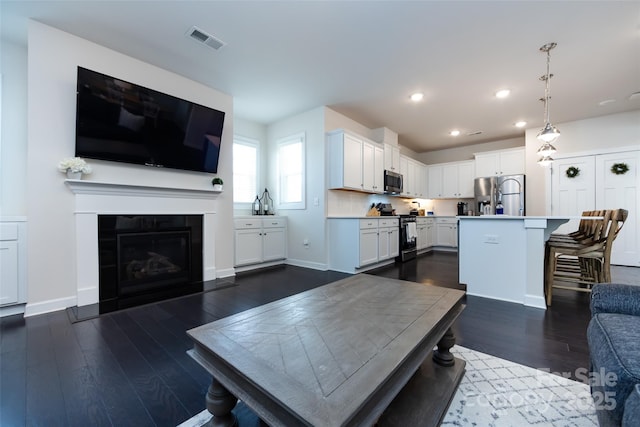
(124, 122)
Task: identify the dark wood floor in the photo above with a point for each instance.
(130, 368)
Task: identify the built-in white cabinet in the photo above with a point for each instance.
(13, 256)
(426, 233)
(413, 177)
(358, 243)
(450, 180)
(354, 162)
(392, 158)
(260, 240)
(500, 162)
(447, 232)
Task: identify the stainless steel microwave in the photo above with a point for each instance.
(392, 182)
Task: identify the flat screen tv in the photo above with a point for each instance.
(124, 122)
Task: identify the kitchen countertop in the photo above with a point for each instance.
(388, 216)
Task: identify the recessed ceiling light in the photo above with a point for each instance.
(454, 133)
(606, 101)
(520, 124)
(503, 93)
(417, 96)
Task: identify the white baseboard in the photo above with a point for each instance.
(307, 264)
(535, 301)
(227, 272)
(49, 306)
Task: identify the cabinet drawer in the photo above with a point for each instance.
(388, 222)
(274, 222)
(240, 224)
(8, 232)
(447, 220)
(368, 223)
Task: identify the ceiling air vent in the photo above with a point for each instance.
(478, 132)
(202, 37)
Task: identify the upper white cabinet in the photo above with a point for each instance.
(450, 180)
(413, 177)
(392, 158)
(500, 162)
(355, 163)
(372, 167)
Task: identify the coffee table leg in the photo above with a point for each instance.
(442, 356)
(220, 403)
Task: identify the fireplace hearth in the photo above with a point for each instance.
(147, 258)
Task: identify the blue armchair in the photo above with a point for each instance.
(614, 345)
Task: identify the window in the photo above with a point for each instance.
(245, 169)
(291, 178)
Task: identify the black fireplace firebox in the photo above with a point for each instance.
(147, 258)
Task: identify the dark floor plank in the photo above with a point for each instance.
(130, 368)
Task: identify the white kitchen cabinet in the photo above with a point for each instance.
(500, 162)
(259, 240)
(447, 232)
(413, 177)
(355, 163)
(450, 180)
(425, 231)
(368, 244)
(388, 238)
(392, 158)
(434, 182)
(356, 244)
(13, 256)
(372, 167)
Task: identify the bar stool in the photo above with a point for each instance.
(585, 261)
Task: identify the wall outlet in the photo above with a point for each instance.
(305, 242)
(491, 238)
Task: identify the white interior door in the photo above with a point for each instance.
(615, 191)
(570, 196)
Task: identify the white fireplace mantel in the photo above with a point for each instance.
(79, 186)
(93, 198)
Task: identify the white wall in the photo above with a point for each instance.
(308, 223)
(466, 152)
(53, 57)
(581, 137)
(13, 130)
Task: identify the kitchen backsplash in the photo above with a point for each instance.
(352, 203)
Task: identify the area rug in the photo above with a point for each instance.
(497, 393)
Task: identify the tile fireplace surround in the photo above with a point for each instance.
(94, 198)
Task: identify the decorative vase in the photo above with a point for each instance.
(74, 175)
(217, 187)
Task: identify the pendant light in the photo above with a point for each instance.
(549, 133)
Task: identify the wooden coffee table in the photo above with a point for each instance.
(337, 355)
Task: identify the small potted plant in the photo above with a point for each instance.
(217, 183)
(74, 167)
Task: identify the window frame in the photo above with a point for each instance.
(297, 138)
(254, 143)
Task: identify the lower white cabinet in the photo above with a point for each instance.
(356, 243)
(447, 232)
(260, 239)
(13, 255)
(426, 232)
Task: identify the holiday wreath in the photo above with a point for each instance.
(619, 168)
(572, 172)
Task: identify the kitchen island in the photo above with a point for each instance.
(502, 257)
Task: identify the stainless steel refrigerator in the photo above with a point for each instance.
(507, 189)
